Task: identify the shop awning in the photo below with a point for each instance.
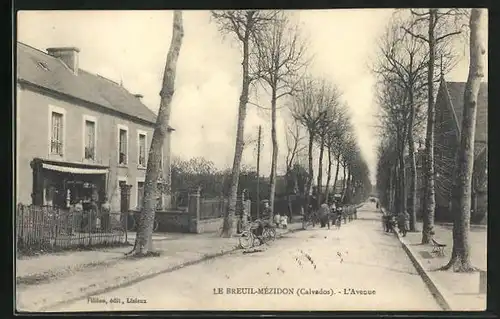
(74, 170)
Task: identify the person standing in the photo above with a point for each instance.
(385, 223)
(403, 225)
(323, 215)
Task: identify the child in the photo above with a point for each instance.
(277, 219)
(284, 221)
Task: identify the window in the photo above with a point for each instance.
(89, 138)
(142, 142)
(140, 194)
(57, 132)
(122, 145)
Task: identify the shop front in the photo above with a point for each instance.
(64, 184)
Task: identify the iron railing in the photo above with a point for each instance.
(50, 228)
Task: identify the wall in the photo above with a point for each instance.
(210, 225)
(33, 141)
(173, 221)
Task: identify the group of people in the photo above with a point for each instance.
(333, 213)
(401, 220)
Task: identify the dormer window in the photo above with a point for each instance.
(43, 66)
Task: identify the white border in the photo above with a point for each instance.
(60, 110)
(93, 119)
(137, 181)
(139, 133)
(125, 128)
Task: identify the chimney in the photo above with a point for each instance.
(139, 96)
(69, 55)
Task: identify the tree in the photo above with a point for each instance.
(385, 169)
(280, 60)
(242, 24)
(335, 135)
(331, 101)
(294, 139)
(394, 106)
(403, 61)
(347, 147)
(309, 109)
(435, 20)
(144, 243)
(460, 258)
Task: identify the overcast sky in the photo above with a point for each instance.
(131, 46)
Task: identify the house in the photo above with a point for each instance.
(79, 135)
(449, 108)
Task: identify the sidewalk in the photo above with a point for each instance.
(83, 274)
(42, 268)
(457, 291)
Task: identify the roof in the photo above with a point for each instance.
(456, 92)
(43, 70)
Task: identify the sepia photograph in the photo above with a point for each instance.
(266, 160)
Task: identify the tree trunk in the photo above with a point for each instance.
(144, 242)
(391, 189)
(274, 159)
(229, 223)
(348, 187)
(336, 175)
(412, 205)
(344, 182)
(430, 198)
(397, 189)
(320, 167)
(329, 177)
(402, 181)
(311, 171)
(460, 259)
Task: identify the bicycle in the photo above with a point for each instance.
(248, 237)
(133, 222)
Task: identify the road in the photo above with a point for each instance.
(357, 267)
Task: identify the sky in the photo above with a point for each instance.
(131, 47)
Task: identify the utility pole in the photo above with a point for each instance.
(258, 172)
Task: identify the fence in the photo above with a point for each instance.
(212, 208)
(49, 228)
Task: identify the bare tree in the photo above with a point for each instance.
(436, 21)
(347, 152)
(294, 140)
(144, 243)
(280, 60)
(403, 62)
(309, 109)
(460, 258)
(332, 102)
(335, 135)
(242, 24)
(394, 106)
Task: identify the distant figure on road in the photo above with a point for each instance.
(403, 223)
(378, 205)
(324, 211)
(387, 220)
(339, 216)
(392, 223)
